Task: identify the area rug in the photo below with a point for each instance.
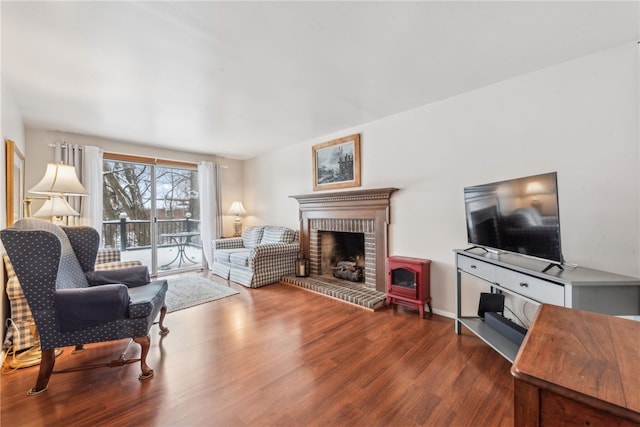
(189, 291)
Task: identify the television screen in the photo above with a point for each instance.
(519, 215)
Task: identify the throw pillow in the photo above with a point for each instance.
(251, 236)
(290, 236)
(272, 235)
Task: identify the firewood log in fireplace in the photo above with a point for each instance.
(348, 270)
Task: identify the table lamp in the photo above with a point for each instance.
(59, 180)
(237, 209)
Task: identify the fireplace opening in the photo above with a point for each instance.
(342, 255)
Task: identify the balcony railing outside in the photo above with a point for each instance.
(127, 234)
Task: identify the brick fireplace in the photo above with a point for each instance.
(323, 229)
(365, 212)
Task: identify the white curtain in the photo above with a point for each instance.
(87, 160)
(92, 214)
(210, 207)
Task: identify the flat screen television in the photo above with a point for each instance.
(518, 215)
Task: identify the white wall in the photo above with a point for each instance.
(39, 154)
(579, 118)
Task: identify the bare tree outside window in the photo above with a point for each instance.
(127, 189)
(177, 195)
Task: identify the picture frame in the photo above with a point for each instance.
(14, 182)
(336, 163)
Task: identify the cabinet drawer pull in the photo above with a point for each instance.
(524, 285)
(473, 266)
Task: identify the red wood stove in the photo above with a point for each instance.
(409, 282)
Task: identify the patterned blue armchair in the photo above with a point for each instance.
(19, 335)
(71, 303)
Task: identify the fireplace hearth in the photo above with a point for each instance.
(349, 292)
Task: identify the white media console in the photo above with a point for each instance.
(575, 287)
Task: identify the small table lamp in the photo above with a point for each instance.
(59, 180)
(237, 209)
(55, 208)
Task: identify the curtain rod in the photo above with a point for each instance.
(65, 144)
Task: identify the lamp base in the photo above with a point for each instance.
(237, 228)
(28, 358)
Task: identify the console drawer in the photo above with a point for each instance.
(531, 287)
(477, 268)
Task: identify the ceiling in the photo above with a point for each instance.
(238, 79)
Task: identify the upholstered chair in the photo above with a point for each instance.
(73, 304)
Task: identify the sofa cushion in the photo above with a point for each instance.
(19, 334)
(240, 258)
(106, 255)
(251, 236)
(117, 265)
(277, 235)
(272, 235)
(223, 255)
(145, 299)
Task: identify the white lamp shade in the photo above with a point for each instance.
(59, 179)
(56, 206)
(237, 208)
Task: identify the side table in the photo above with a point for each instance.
(577, 368)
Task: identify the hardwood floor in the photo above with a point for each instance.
(279, 355)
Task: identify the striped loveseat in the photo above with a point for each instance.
(263, 255)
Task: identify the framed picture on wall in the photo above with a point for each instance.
(15, 182)
(336, 164)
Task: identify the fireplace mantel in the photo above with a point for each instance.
(356, 196)
(369, 204)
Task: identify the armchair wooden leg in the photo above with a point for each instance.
(163, 329)
(46, 367)
(144, 342)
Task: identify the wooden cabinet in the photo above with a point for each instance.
(409, 282)
(577, 368)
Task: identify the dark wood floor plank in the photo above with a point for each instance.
(283, 356)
